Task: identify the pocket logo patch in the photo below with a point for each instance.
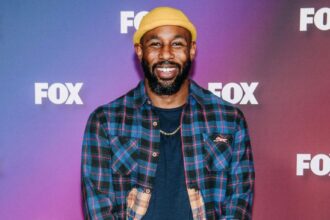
(220, 138)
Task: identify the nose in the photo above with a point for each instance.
(165, 53)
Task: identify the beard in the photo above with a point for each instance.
(165, 88)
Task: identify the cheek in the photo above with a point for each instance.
(182, 56)
(151, 57)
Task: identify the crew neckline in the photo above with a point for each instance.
(168, 109)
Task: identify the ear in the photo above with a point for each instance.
(138, 51)
(192, 50)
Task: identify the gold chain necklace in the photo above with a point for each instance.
(170, 133)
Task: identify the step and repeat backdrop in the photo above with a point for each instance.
(59, 60)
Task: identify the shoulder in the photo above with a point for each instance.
(114, 108)
(210, 100)
(215, 105)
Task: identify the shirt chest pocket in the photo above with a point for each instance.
(124, 154)
(217, 151)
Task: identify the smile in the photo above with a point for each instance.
(166, 70)
(166, 73)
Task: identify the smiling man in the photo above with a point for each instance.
(167, 149)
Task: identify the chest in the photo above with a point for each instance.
(205, 142)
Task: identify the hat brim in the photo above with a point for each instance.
(187, 25)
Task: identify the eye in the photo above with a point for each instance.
(155, 44)
(178, 44)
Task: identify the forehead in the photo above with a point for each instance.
(167, 32)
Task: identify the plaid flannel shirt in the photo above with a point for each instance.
(121, 147)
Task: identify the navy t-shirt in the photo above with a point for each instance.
(169, 198)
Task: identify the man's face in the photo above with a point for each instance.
(166, 53)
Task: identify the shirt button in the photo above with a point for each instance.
(149, 102)
(154, 123)
(154, 154)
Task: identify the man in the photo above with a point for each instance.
(168, 149)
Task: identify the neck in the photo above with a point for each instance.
(169, 101)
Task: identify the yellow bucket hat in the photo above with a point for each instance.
(162, 16)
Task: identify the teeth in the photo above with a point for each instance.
(166, 69)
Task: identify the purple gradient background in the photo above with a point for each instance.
(80, 41)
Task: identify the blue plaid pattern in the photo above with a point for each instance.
(121, 144)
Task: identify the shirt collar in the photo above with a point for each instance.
(140, 95)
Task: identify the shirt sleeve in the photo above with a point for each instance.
(96, 178)
(240, 186)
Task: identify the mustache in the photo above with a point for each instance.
(166, 62)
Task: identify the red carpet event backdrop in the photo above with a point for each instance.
(59, 60)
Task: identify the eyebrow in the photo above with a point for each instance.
(155, 37)
(152, 37)
(179, 36)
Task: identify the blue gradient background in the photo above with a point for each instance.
(80, 41)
